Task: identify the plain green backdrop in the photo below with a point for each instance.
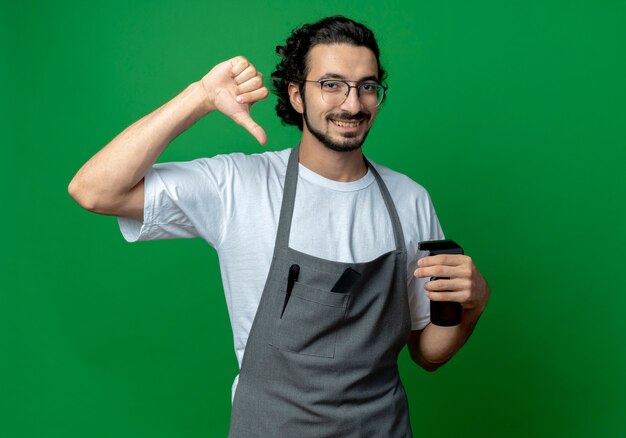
(511, 113)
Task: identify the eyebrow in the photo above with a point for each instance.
(338, 76)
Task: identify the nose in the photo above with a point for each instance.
(352, 104)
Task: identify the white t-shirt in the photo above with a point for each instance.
(233, 202)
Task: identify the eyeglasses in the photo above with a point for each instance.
(336, 91)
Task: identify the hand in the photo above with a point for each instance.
(232, 87)
(466, 285)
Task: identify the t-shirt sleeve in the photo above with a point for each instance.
(418, 301)
(181, 200)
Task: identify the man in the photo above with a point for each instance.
(318, 247)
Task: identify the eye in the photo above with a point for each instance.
(369, 87)
(331, 85)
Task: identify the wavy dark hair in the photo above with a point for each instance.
(293, 63)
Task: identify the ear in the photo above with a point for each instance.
(295, 97)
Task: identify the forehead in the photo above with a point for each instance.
(343, 60)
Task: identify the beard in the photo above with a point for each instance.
(350, 141)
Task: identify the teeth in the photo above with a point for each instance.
(345, 124)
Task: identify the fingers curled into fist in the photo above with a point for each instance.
(249, 81)
(232, 87)
(456, 278)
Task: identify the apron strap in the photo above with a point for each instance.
(289, 198)
(391, 208)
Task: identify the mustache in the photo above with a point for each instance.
(347, 116)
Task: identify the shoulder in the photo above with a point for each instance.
(225, 167)
(241, 160)
(238, 160)
(249, 166)
(401, 187)
(415, 209)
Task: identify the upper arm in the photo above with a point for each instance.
(414, 346)
(176, 200)
(104, 201)
(132, 205)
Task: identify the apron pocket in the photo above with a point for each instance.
(310, 322)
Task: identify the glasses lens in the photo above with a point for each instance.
(336, 92)
(371, 94)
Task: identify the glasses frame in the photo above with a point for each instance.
(382, 85)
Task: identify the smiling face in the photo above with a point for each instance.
(341, 127)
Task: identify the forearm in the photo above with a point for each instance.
(455, 278)
(116, 169)
(435, 345)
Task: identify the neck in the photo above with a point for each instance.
(337, 166)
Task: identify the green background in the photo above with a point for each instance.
(511, 113)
